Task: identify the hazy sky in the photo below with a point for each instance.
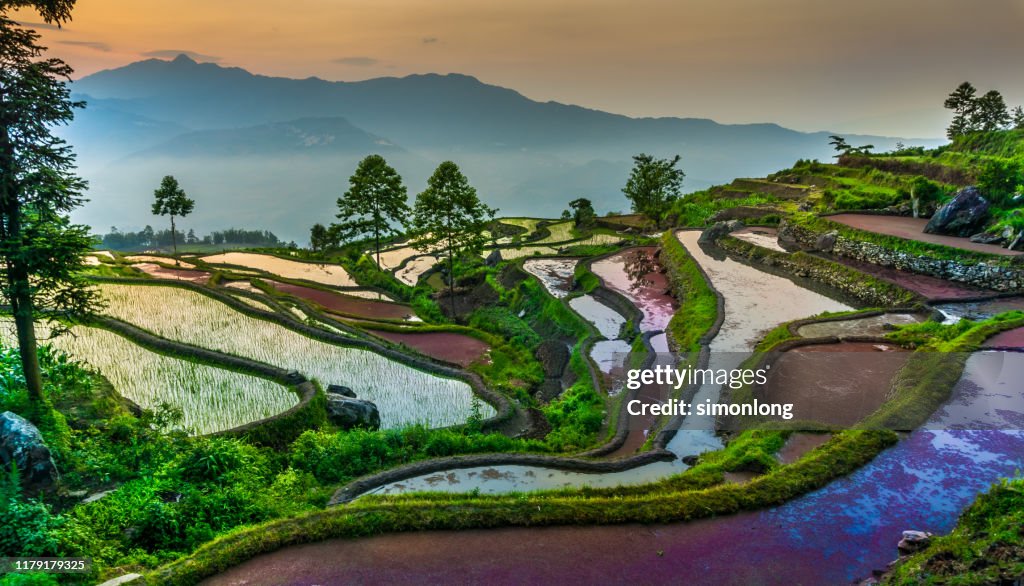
(878, 66)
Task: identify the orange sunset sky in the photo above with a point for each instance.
(869, 66)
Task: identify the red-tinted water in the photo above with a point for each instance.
(636, 274)
(448, 346)
(348, 305)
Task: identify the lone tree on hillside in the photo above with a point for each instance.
(991, 112)
(583, 214)
(449, 215)
(41, 250)
(963, 103)
(172, 201)
(319, 237)
(839, 143)
(653, 185)
(373, 204)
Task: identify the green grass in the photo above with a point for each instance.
(698, 309)
(986, 546)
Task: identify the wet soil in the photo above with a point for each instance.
(834, 384)
(448, 346)
(913, 229)
(349, 305)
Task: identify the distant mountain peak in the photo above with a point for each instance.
(183, 59)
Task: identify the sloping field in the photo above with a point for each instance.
(289, 269)
(210, 399)
(404, 394)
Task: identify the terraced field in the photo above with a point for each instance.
(404, 395)
(318, 273)
(210, 399)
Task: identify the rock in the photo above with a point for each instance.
(987, 238)
(690, 460)
(295, 378)
(963, 216)
(22, 444)
(826, 242)
(787, 238)
(348, 413)
(341, 390)
(913, 541)
(493, 258)
(553, 356)
(719, 229)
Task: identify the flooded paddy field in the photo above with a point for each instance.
(833, 384)
(837, 534)
(924, 285)
(342, 303)
(877, 325)
(448, 346)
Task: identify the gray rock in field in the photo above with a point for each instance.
(493, 258)
(913, 541)
(964, 215)
(719, 229)
(347, 413)
(826, 242)
(341, 390)
(22, 444)
(295, 378)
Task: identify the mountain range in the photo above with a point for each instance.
(275, 153)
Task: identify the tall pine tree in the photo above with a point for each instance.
(40, 250)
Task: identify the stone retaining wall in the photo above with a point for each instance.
(991, 274)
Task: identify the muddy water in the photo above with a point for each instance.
(833, 384)
(348, 305)
(835, 535)
(924, 285)
(1010, 339)
(865, 326)
(755, 302)
(979, 310)
(637, 276)
(448, 346)
(554, 273)
(913, 229)
(412, 271)
(763, 237)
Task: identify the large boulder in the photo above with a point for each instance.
(493, 258)
(826, 242)
(341, 390)
(719, 229)
(913, 541)
(22, 444)
(346, 412)
(964, 215)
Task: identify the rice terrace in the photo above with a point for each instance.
(467, 336)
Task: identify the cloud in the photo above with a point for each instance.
(88, 44)
(40, 25)
(357, 61)
(172, 53)
(430, 40)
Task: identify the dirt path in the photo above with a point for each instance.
(913, 229)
